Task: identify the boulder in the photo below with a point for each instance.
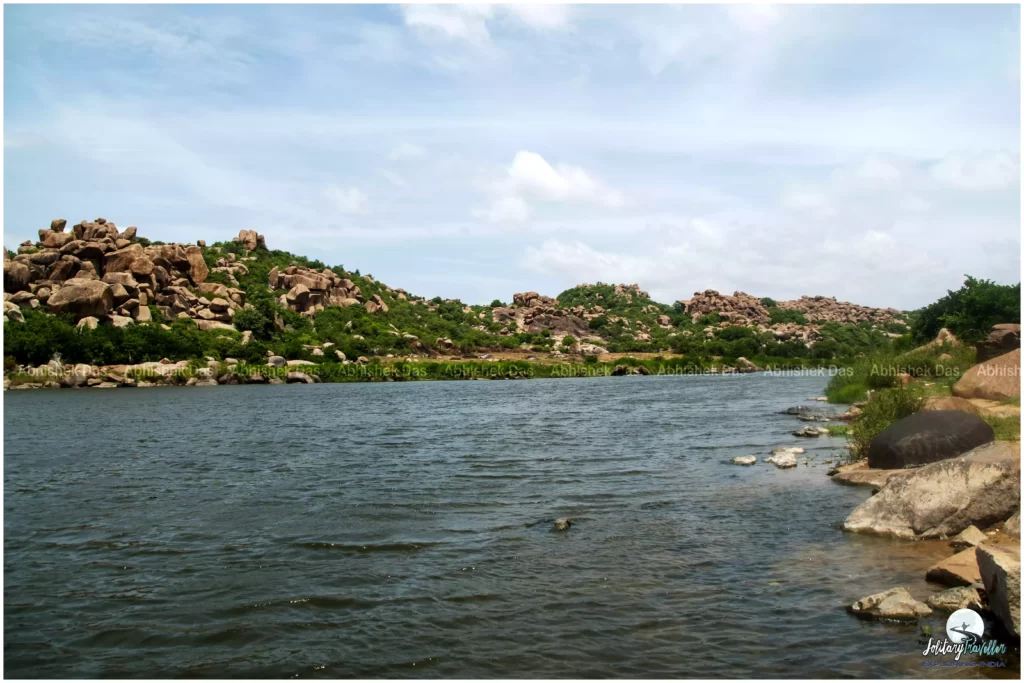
(562, 524)
(198, 269)
(295, 377)
(926, 437)
(1002, 339)
(1000, 572)
(995, 379)
(213, 325)
(58, 224)
(1012, 525)
(968, 538)
(121, 321)
(745, 460)
(952, 599)
(16, 276)
(88, 322)
(276, 362)
(895, 603)
(958, 570)
(376, 304)
(951, 403)
(981, 487)
(82, 298)
(121, 261)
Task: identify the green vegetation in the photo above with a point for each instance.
(1006, 428)
(969, 312)
(885, 407)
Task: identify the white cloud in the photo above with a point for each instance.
(755, 18)
(978, 172)
(530, 176)
(348, 200)
(506, 210)
(538, 16)
(454, 22)
(916, 204)
(393, 178)
(581, 263)
(406, 151)
(877, 169)
(809, 200)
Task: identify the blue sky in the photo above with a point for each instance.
(865, 152)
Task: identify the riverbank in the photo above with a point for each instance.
(278, 370)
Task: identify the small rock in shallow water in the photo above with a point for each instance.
(793, 450)
(784, 460)
(895, 603)
(955, 598)
(811, 431)
(562, 524)
(744, 460)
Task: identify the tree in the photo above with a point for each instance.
(969, 312)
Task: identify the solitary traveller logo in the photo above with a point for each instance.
(965, 632)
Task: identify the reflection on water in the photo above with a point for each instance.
(404, 530)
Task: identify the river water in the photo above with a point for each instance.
(404, 530)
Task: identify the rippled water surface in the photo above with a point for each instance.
(405, 530)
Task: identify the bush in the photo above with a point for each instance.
(253, 320)
(768, 302)
(969, 312)
(786, 315)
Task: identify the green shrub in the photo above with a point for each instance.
(969, 312)
(885, 407)
(786, 315)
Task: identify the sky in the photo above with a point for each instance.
(869, 153)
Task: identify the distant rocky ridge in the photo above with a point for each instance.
(103, 275)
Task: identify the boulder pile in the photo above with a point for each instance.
(100, 274)
(308, 291)
(1001, 340)
(533, 313)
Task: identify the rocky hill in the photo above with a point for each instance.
(129, 296)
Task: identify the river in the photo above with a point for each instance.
(404, 530)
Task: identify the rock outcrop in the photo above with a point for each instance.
(952, 599)
(995, 379)
(1000, 573)
(101, 275)
(926, 437)
(1001, 340)
(981, 487)
(310, 291)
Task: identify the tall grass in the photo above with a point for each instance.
(882, 371)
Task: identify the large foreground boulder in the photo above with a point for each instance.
(981, 487)
(1002, 339)
(994, 379)
(83, 298)
(926, 437)
(1000, 572)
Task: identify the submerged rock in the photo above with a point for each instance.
(561, 524)
(895, 603)
(811, 432)
(745, 460)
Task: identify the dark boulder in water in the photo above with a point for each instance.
(927, 437)
(561, 524)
